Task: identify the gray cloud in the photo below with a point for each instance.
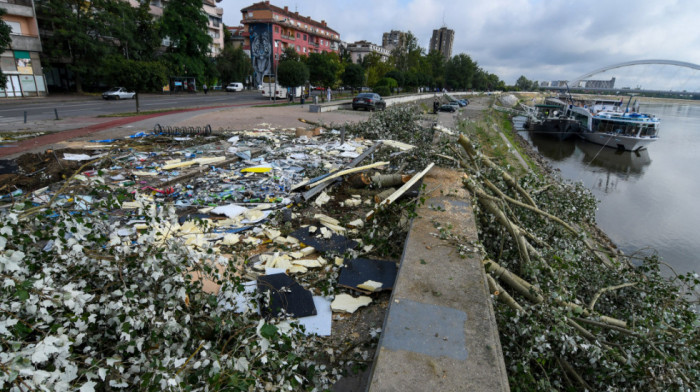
(541, 39)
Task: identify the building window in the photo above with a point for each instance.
(304, 37)
(250, 14)
(298, 35)
(277, 29)
(304, 49)
(15, 27)
(298, 48)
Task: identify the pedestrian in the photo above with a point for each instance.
(205, 88)
(328, 94)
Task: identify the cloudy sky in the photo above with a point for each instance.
(540, 39)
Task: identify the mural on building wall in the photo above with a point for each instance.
(260, 51)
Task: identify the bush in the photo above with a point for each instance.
(384, 91)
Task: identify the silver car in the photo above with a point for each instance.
(118, 93)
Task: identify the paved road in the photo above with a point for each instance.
(39, 109)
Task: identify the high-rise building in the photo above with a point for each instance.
(393, 39)
(269, 30)
(442, 40)
(21, 63)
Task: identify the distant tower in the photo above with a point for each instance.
(442, 40)
(393, 39)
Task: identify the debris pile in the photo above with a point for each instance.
(254, 229)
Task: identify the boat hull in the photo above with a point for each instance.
(619, 142)
(559, 128)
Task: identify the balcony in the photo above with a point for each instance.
(288, 37)
(18, 7)
(25, 42)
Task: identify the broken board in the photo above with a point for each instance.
(357, 271)
(286, 295)
(336, 243)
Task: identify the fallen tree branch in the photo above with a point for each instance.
(603, 290)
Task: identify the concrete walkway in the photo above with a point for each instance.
(440, 332)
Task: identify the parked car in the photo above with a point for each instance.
(464, 101)
(447, 108)
(118, 93)
(235, 86)
(368, 101)
(456, 104)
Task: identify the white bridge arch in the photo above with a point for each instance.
(636, 62)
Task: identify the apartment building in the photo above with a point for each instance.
(21, 62)
(358, 50)
(393, 39)
(442, 40)
(268, 30)
(215, 27)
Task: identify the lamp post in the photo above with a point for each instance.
(275, 65)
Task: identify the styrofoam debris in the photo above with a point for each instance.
(370, 285)
(348, 304)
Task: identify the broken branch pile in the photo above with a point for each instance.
(570, 317)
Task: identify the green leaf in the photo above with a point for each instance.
(23, 295)
(268, 331)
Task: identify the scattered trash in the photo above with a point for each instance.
(286, 296)
(357, 272)
(346, 303)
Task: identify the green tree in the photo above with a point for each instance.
(136, 75)
(323, 68)
(460, 71)
(353, 76)
(290, 54)
(133, 31)
(398, 76)
(233, 65)
(4, 44)
(292, 73)
(184, 24)
(387, 82)
(435, 67)
(74, 42)
(524, 84)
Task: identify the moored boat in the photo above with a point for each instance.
(610, 126)
(552, 119)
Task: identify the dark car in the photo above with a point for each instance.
(369, 101)
(447, 108)
(464, 101)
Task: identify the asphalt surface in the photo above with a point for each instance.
(68, 106)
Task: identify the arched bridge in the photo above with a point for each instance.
(683, 78)
(637, 62)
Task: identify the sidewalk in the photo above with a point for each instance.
(440, 332)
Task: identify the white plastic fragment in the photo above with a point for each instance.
(322, 199)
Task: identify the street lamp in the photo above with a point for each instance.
(275, 64)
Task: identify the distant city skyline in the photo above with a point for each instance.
(553, 40)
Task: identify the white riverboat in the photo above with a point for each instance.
(605, 123)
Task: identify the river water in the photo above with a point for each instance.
(648, 201)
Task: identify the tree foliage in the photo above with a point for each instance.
(292, 73)
(233, 65)
(4, 43)
(525, 84)
(323, 68)
(353, 76)
(184, 24)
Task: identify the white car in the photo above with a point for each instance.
(118, 93)
(235, 86)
